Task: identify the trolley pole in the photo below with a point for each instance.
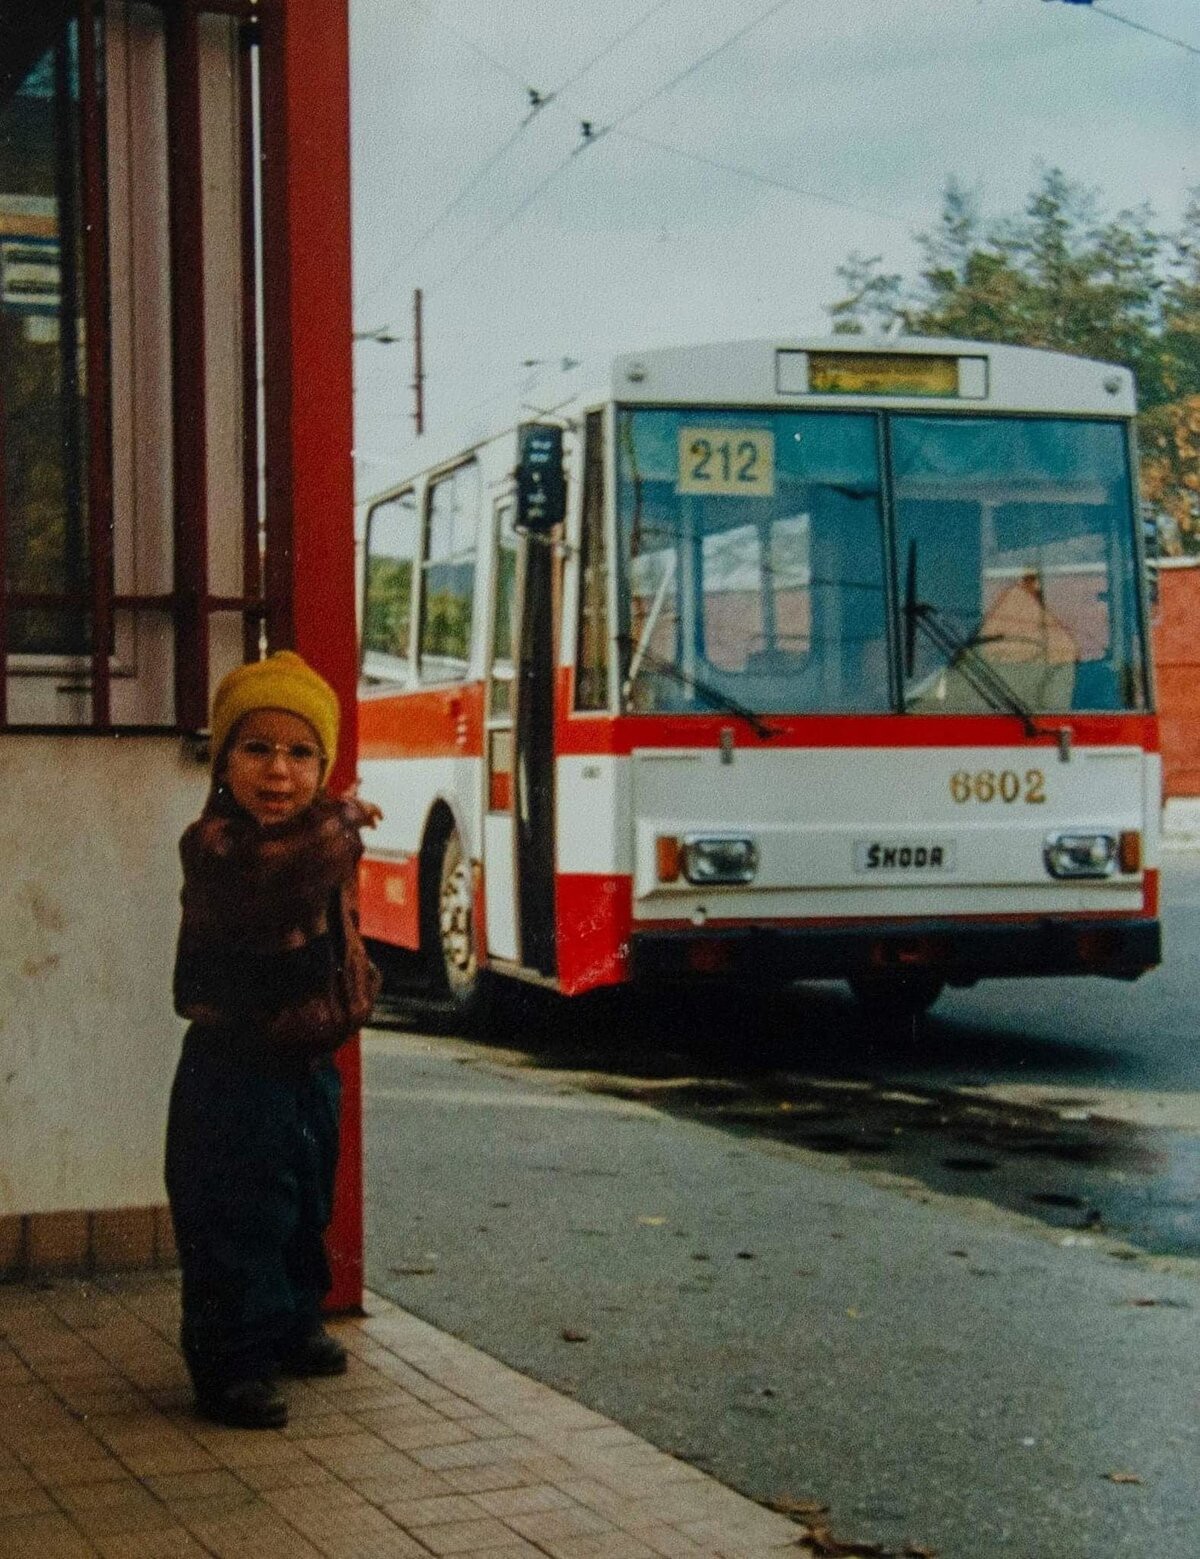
(418, 365)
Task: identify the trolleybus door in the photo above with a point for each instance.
(499, 833)
(518, 823)
(533, 755)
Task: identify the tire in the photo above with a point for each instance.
(458, 981)
(896, 998)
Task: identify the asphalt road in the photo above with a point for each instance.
(944, 1282)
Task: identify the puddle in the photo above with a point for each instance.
(1099, 1177)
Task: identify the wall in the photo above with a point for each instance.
(88, 917)
(1176, 620)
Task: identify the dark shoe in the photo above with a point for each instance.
(318, 1354)
(247, 1404)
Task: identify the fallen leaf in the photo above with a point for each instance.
(787, 1506)
(569, 1334)
(823, 1542)
(1123, 1477)
(854, 1314)
(919, 1551)
(651, 1222)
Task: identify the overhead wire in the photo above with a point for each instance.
(610, 47)
(758, 178)
(591, 136)
(537, 101)
(696, 64)
(468, 42)
(1127, 21)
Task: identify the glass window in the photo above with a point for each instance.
(1015, 549)
(591, 689)
(392, 536)
(449, 574)
(752, 545)
(504, 624)
(43, 391)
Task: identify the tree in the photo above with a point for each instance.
(1063, 276)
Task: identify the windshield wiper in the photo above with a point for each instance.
(963, 654)
(711, 695)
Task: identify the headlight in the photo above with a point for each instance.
(1080, 854)
(717, 858)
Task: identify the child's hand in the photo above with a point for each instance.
(371, 814)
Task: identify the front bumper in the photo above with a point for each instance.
(958, 953)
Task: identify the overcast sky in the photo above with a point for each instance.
(865, 109)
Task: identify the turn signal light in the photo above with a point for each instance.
(666, 855)
(1129, 850)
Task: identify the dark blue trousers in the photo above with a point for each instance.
(250, 1167)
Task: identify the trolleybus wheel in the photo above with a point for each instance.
(896, 997)
(454, 948)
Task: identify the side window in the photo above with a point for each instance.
(451, 526)
(504, 623)
(591, 688)
(388, 589)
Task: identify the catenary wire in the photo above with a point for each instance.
(758, 178)
(1127, 21)
(696, 64)
(592, 138)
(537, 102)
(469, 43)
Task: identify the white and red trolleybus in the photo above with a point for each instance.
(771, 661)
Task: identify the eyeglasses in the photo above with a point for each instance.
(299, 754)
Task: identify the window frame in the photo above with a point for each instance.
(449, 474)
(381, 679)
(189, 605)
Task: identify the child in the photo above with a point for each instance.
(272, 972)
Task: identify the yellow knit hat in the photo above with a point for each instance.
(282, 681)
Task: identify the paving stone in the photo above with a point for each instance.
(426, 1447)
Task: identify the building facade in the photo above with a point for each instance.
(175, 496)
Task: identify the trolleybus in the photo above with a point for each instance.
(770, 661)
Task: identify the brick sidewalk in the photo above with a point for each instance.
(425, 1447)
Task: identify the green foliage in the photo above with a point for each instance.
(447, 627)
(1066, 277)
(388, 614)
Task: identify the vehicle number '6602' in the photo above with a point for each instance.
(998, 785)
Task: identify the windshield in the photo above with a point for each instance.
(753, 550)
(754, 572)
(1015, 535)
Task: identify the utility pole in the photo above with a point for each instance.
(418, 365)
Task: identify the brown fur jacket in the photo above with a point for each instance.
(270, 961)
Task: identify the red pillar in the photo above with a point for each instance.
(309, 429)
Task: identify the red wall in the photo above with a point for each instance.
(1177, 658)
